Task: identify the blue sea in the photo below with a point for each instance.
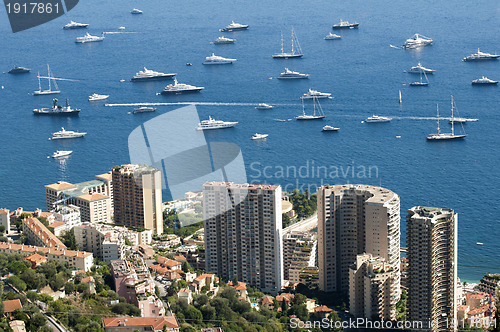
(361, 70)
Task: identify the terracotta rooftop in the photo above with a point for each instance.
(478, 296)
(107, 176)
(267, 300)
(322, 308)
(35, 258)
(11, 305)
(4, 211)
(60, 186)
(480, 310)
(88, 279)
(157, 323)
(45, 250)
(56, 224)
(203, 276)
(46, 236)
(239, 286)
(93, 197)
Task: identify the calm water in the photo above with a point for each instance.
(361, 70)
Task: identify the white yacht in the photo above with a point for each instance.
(295, 52)
(315, 94)
(345, 25)
(417, 41)
(151, 75)
(480, 56)
(259, 136)
(330, 128)
(97, 97)
(288, 74)
(144, 109)
(66, 134)
(317, 111)
(75, 25)
(418, 69)
(217, 60)
(121, 28)
(49, 91)
(61, 154)
(215, 124)
(179, 88)
(439, 136)
(264, 106)
(224, 40)
(484, 80)
(332, 36)
(136, 11)
(234, 27)
(377, 118)
(88, 38)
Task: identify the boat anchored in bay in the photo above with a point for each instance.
(215, 124)
(151, 75)
(417, 41)
(311, 94)
(481, 56)
(439, 136)
(217, 60)
(259, 136)
(88, 38)
(484, 81)
(345, 25)
(97, 97)
(49, 91)
(62, 134)
(296, 51)
(289, 74)
(179, 88)
(317, 111)
(75, 25)
(224, 40)
(57, 110)
(234, 27)
(418, 69)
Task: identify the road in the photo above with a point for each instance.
(303, 225)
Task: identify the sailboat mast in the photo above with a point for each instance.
(303, 108)
(452, 120)
(439, 129)
(39, 84)
(292, 42)
(281, 42)
(48, 74)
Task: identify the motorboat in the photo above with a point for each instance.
(332, 36)
(264, 106)
(214, 124)
(151, 75)
(377, 119)
(61, 154)
(97, 97)
(259, 136)
(317, 111)
(439, 136)
(224, 40)
(75, 25)
(418, 69)
(136, 11)
(484, 81)
(19, 70)
(481, 56)
(417, 41)
(121, 28)
(144, 109)
(330, 128)
(289, 74)
(88, 38)
(51, 80)
(345, 25)
(66, 134)
(57, 110)
(217, 60)
(179, 88)
(315, 94)
(234, 27)
(295, 52)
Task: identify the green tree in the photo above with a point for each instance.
(17, 283)
(38, 320)
(127, 242)
(69, 240)
(69, 288)
(186, 267)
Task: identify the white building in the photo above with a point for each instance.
(5, 220)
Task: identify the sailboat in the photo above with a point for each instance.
(319, 114)
(400, 100)
(421, 83)
(446, 136)
(50, 77)
(296, 51)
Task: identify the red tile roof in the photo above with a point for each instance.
(156, 323)
(322, 308)
(11, 305)
(46, 236)
(35, 258)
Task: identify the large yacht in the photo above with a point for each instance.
(377, 118)
(224, 40)
(217, 60)
(50, 77)
(315, 94)
(179, 88)
(318, 113)
(479, 56)
(332, 36)
(88, 38)
(66, 134)
(418, 69)
(439, 136)
(151, 75)
(234, 27)
(288, 74)
(19, 70)
(61, 154)
(57, 110)
(345, 25)
(97, 97)
(295, 51)
(417, 41)
(75, 25)
(484, 81)
(215, 124)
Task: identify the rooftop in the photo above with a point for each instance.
(157, 323)
(45, 250)
(47, 237)
(11, 305)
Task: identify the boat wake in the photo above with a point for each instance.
(190, 103)
(116, 32)
(394, 46)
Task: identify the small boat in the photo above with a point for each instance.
(217, 60)
(234, 27)
(479, 243)
(400, 99)
(417, 41)
(215, 124)
(88, 38)
(481, 56)
(332, 36)
(61, 154)
(49, 91)
(144, 109)
(264, 106)
(189, 64)
(315, 94)
(377, 119)
(329, 128)
(75, 25)
(418, 69)
(66, 134)
(19, 70)
(295, 52)
(317, 111)
(224, 40)
(136, 11)
(421, 83)
(484, 81)
(97, 97)
(288, 74)
(345, 25)
(259, 136)
(446, 136)
(121, 28)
